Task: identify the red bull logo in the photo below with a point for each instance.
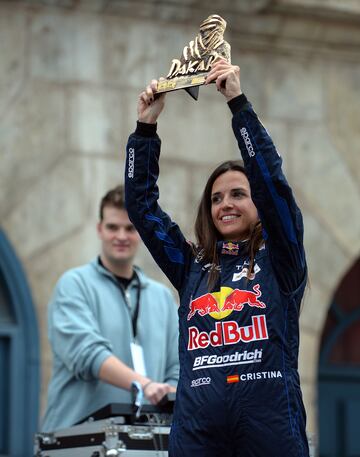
(221, 304)
(230, 248)
(228, 332)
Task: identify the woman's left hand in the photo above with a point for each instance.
(226, 77)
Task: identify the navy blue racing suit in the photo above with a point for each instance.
(239, 391)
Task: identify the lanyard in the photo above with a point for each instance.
(137, 307)
(135, 315)
(134, 318)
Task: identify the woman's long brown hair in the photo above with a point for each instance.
(206, 233)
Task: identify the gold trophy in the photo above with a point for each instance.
(190, 71)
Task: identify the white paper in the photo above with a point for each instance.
(137, 354)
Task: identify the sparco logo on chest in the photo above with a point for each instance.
(200, 382)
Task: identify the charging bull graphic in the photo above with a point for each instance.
(220, 304)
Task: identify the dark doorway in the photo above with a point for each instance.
(19, 358)
(339, 372)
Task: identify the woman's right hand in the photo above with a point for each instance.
(149, 106)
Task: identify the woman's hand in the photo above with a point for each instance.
(149, 106)
(226, 77)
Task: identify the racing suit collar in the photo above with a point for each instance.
(232, 247)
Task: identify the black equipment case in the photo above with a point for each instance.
(112, 431)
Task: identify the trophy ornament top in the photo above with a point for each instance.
(197, 57)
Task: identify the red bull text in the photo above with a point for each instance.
(228, 332)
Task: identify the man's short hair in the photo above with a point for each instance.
(114, 197)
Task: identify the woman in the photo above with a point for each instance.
(240, 289)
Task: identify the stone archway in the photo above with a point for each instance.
(339, 371)
(19, 358)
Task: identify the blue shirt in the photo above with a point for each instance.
(88, 321)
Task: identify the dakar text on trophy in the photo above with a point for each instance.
(191, 69)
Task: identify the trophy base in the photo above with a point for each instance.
(189, 83)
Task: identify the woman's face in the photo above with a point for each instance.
(232, 210)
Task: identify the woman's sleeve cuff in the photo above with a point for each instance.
(145, 130)
(236, 104)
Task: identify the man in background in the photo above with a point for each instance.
(109, 325)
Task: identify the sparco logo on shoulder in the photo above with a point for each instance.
(131, 163)
(247, 141)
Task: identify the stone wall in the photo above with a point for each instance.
(70, 73)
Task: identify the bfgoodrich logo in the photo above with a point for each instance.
(236, 358)
(200, 382)
(131, 163)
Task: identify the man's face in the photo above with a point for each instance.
(119, 238)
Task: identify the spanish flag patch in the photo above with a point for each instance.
(232, 378)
